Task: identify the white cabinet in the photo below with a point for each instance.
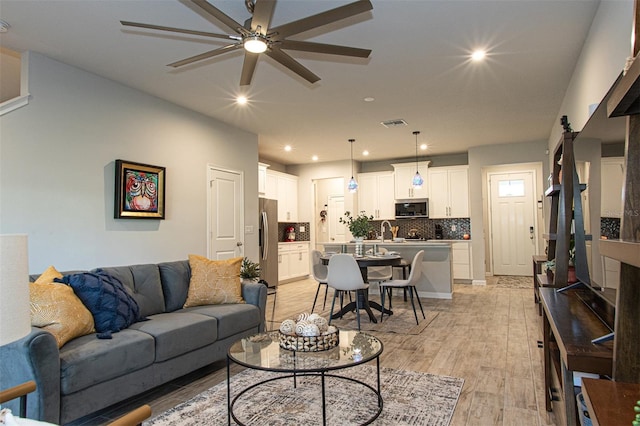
(293, 261)
(448, 192)
(375, 195)
(403, 180)
(262, 179)
(284, 188)
(461, 260)
(612, 176)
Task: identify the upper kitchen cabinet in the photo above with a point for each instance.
(448, 192)
(404, 173)
(375, 195)
(284, 188)
(612, 176)
(262, 179)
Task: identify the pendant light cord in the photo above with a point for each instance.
(416, 133)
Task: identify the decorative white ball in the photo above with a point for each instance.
(310, 329)
(288, 326)
(320, 322)
(302, 317)
(300, 325)
(313, 317)
(331, 329)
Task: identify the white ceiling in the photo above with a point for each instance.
(419, 69)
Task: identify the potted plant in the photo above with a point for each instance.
(249, 271)
(359, 226)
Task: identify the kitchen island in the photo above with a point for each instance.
(437, 277)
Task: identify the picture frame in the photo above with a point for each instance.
(139, 191)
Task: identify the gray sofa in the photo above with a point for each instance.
(88, 374)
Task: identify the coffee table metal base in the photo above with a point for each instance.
(323, 375)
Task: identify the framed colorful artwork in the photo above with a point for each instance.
(139, 191)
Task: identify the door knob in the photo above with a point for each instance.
(239, 243)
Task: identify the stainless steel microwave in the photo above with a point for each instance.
(408, 209)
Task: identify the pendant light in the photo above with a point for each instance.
(353, 185)
(417, 179)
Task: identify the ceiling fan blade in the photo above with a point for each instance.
(292, 64)
(218, 14)
(178, 30)
(331, 49)
(206, 55)
(262, 13)
(320, 19)
(248, 67)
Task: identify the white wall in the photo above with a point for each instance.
(493, 155)
(57, 170)
(602, 59)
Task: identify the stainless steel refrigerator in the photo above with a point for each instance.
(268, 240)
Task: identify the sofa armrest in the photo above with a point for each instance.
(34, 357)
(256, 294)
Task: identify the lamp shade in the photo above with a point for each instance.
(15, 321)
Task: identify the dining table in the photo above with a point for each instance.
(362, 296)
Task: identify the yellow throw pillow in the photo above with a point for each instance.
(56, 308)
(214, 282)
(48, 275)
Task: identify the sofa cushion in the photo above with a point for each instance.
(178, 333)
(55, 308)
(232, 319)
(144, 283)
(175, 278)
(214, 281)
(86, 360)
(112, 307)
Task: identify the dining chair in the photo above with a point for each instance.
(409, 284)
(377, 274)
(344, 276)
(319, 273)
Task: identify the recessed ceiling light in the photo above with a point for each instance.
(423, 146)
(242, 100)
(365, 152)
(478, 55)
(287, 148)
(314, 158)
(369, 99)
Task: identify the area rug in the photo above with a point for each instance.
(512, 281)
(410, 398)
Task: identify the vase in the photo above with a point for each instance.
(359, 245)
(571, 275)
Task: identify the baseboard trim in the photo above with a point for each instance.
(479, 282)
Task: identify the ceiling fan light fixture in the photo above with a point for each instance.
(254, 44)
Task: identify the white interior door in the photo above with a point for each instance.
(337, 230)
(226, 214)
(513, 232)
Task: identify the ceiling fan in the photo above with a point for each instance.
(256, 37)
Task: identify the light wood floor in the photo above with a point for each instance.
(486, 335)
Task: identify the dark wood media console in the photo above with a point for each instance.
(569, 326)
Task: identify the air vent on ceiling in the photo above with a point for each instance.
(394, 123)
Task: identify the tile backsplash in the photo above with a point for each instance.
(610, 227)
(425, 228)
(301, 230)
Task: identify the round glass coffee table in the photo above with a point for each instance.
(263, 352)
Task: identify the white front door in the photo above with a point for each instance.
(226, 214)
(337, 230)
(512, 203)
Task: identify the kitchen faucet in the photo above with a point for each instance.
(382, 229)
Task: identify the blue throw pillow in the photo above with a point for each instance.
(112, 307)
